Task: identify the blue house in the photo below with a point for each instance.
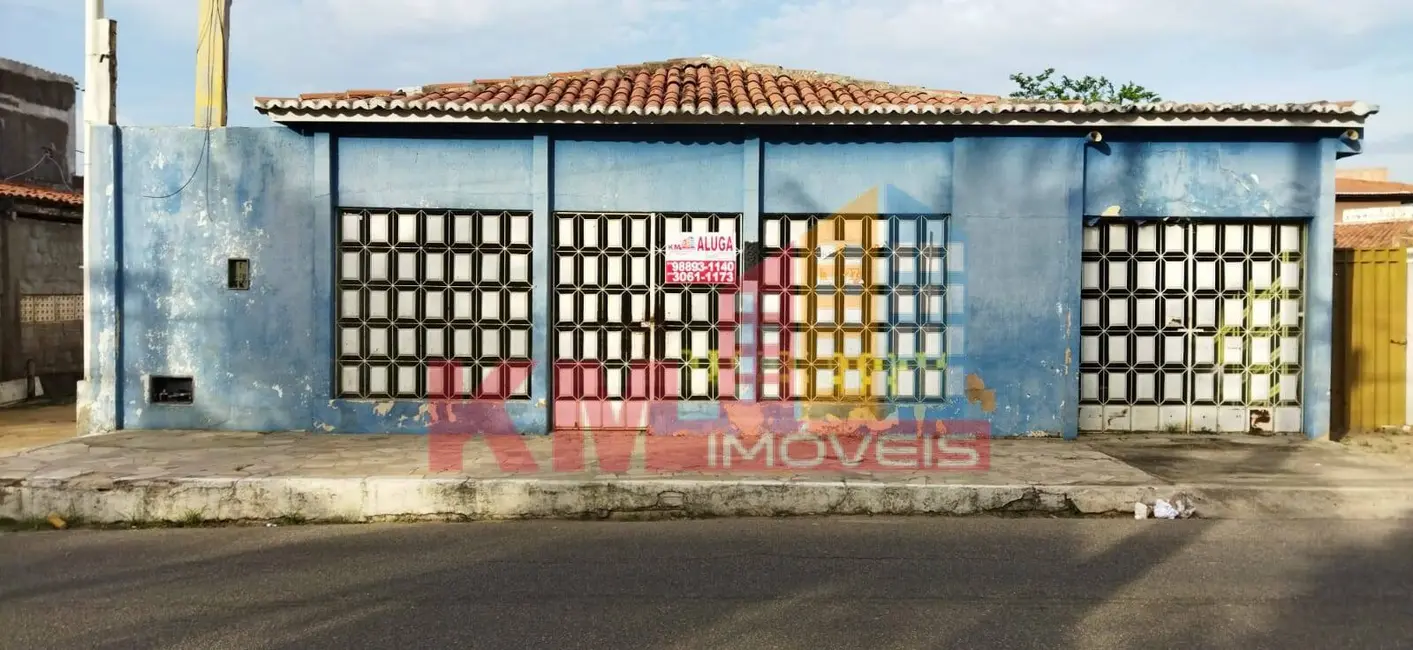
(705, 233)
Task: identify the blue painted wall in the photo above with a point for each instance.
(1204, 179)
(190, 202)
(435, 173)
(1017, 203)
(176, 209)
(826, 177)
(622, 175)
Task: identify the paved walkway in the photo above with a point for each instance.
(185, 454)
(1092, 460)
(133, 475)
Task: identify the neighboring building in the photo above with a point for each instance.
(41, 287)
(1371, 211)
(41, 232)
(38, 124)
(1044, 268)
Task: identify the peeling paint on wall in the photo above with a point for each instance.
(247, 195)
(977, 393)
(104, 387)
(1197, 179)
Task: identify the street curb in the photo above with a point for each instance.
(385, 498)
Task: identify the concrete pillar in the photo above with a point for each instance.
(542, 293)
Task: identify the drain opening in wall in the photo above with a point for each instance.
(171, 390)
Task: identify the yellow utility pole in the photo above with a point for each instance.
(212, 48)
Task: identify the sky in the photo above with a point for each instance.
(1189, 50)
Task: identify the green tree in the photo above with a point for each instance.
(1088, 89)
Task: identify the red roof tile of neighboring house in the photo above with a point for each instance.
(37, 193)
(1358, 187)
(727, 89)
(1361, 236)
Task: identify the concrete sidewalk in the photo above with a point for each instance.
(158, 476)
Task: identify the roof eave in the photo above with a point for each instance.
(971, 117)
(41, 206)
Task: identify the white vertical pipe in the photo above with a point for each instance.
(93, 12)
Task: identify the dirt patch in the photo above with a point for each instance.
(1249, 459)
(35, 425)
(1397, 444)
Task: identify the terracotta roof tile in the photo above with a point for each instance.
(711, 86)
(36, 193)
(1362, 236)
(1348, 186)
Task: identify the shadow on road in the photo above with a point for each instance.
(877, 583)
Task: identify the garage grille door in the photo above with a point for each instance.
(1191, 326)
(622, 337)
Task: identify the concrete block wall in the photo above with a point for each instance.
(57, 351)
(41, 258)
(50, 257)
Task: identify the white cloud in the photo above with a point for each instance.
(445, 17)
(981, 39)
(423, 41)
(1197, 50)
(288, 46)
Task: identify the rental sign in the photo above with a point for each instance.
(701, 258)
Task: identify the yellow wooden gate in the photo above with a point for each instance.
(1369, 364)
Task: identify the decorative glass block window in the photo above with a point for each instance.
(434, 302)
(1191, 326)
(53, 308)
(853, 307)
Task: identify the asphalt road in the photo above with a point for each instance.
(837, 583)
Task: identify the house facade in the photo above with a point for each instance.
(41, 235)
(1371, 211)
(41, 291)
(655, 246)
(1368, 196)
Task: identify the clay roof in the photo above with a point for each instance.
(1360, 236)
(10, 189)
(1356, 187)
(712, 89)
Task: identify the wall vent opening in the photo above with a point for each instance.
(171, 390)
(238, 274)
